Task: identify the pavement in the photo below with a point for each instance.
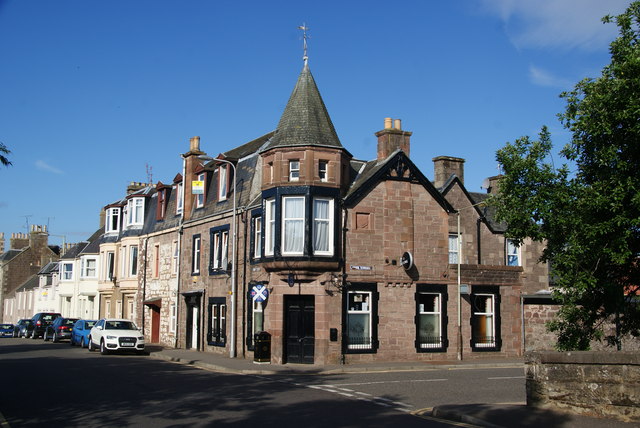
(508, 415)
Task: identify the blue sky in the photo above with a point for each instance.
(93, 92)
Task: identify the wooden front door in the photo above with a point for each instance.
(299, 334)
(155, 324)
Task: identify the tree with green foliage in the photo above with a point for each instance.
(587, 211)
(4, 151)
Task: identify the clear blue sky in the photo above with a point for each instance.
(93, 91)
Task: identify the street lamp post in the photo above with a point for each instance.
(232, 350)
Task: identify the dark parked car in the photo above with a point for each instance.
(59, 329)
(22, 327)
(6, 330)
(40, 322)
(80, 333)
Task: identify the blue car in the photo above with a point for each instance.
(80, 333)
(6, 330)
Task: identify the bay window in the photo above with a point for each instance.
(323, 226)
(133, 260)
(257, 236)
(67, 271)
(293, 217)
(270, 226)
(88, 267)
(135, 212)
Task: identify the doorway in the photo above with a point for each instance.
(299, 329)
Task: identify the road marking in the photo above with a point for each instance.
(506, 377)
(426, 414)
(388, 381)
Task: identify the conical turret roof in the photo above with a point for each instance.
(305, 121)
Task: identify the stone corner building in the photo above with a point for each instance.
(338, 259)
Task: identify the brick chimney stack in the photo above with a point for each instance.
(392, 137)
(493, 186)
(191, 163)
(444, 167)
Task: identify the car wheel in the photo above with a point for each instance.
(71, 341)
(45, 336)
(103, 348)
(90, 345)
(83, 342)
(33, 334)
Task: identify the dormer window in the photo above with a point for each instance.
(200, 196)
(223, 182)
(135, 212)
(294, 170)
(322, 170)
(112, 223)
(162, 204)
(179, 198)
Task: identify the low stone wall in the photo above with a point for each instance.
(603, 384)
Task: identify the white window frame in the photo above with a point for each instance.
(323, 168)
(258, 308)
(454, 248)
(286, 223)
(133, 261)
(86, 271)
(489, 313)
(197, 247)
(135, 212)
(330, 227)
(257, 236)
(123, 261)
(437, 310)
(220, 250)
(175, 256)
(112, 223)
(173, 317)
(363, 310)
(294, 170)
(270, 226)
(108, 276)
(200, 196)
(67, 274)
(512, 251)
(223, 183)
(179, 197)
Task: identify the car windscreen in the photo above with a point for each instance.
(49, 317)
(6, 325)
(69, 321)
(119, 325)
(90, 324)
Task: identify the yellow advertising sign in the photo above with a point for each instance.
(197, 187)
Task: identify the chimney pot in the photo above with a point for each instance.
(387, 123)
(194, 145)
(398, 124)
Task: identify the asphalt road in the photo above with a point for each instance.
(55, 385)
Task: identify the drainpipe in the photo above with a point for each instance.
(144, 281)
(459, 303)
(179, 263)
(343, 296)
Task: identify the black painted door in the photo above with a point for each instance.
(299, 316)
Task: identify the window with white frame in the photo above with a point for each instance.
(257, 236)
(179, 197)
(430, 311)
(322, 170)
(173, 317)
(292, 225)
(323, 226)
(110, 265)
(200, 196)
(135, 212)
(255, 320)
(223, 183)
(67, 271)
(270, 226)
(453, 249)
(195, 265)
(219, 249)
(294, 170)
(359, 320)
(175, 254)
(123, 261)
(484, 320)
(112, 223)
(88, 267)
(513, 253)
(133, 260)
(217, 334)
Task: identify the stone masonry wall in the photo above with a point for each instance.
(602, 384)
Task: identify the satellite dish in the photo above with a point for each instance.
(407, 260)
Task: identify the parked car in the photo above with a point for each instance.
(6, 330)
(111, 334)
(22, 327)
(40, 322)
(80, 333)
(59, 329)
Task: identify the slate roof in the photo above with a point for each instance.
(49, 268)
(8, 255)
(74, 251)
(29, 284)
(305, 121)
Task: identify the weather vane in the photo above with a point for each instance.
(304, 29)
